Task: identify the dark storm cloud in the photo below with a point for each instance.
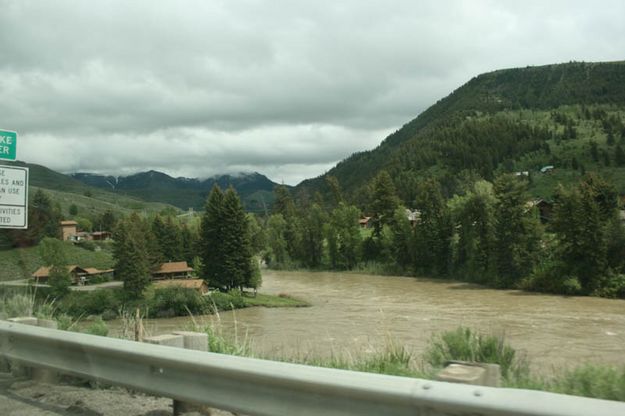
(286, 88)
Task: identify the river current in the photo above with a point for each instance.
(355, 314)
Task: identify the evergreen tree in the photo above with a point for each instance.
(235, 240)
(335, 191)
(619, 156)
(403, 240)
(132, 264)
(211, 249)
(313, 236)
(172, 245)
(433, 230)
(580, 220)
(293, 234)
(384, 202)
(106, 222)
(517, 231)
(43, 221)
(188, 241)
(276, 241)
(594, 151)
(344, 239)
(257, 234)
(475, 217)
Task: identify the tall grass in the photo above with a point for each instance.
(464, 344)
(25, 304)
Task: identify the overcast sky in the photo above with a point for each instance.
(284, 87)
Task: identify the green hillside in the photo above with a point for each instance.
(505, 121)
(22, 262)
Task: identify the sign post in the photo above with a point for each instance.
(8, 145)
(13, 185)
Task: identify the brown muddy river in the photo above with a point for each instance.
(357, 314)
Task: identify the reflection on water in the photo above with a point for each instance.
(359, 313)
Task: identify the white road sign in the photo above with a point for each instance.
(13, 197)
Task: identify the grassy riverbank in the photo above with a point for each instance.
(157, 303)
(588, 380)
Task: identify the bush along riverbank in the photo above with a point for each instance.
(157, 303)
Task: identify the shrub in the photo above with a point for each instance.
(592, 381)
(549, 276)
(176, 301)
(614, 287)
(97, 302)
(463, 344)
(98, 327)
(226, 301)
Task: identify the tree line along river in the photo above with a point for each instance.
(358, 314)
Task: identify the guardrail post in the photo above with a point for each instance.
(44, 375)
(188, 340)
(480, 374)
(41, 375)
(17, 369)
(192, 341)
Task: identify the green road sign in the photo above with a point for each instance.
(8, 144)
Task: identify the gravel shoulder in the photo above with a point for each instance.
(22, 397)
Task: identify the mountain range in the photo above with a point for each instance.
(255, 190)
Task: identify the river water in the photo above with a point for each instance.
(359, 314)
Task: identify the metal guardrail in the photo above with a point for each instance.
(260, 387)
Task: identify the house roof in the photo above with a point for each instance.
(93, 270)
(174, 267)
(186, 283)
(69, 222)
(364, 220)
(44, 271)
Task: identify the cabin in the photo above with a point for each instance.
(545, 209)
(173, 270)
(101, 235)
(413, 216)
(547, 169)
(93, 272)
(68, 230)
(196, 284)
(365, 222)
(78, 274)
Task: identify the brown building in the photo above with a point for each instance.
(68, 229)
(78, 274)
(173, 270)
(365, 222)
(197, 284)
(101, 235)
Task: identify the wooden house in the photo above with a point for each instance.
(173, 270)
(79, 275)
(68, 230)
(365, 222)
(196, 284)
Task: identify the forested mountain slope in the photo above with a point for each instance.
(569, 115)
(256, 190)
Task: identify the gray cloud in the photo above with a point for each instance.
(286, 88)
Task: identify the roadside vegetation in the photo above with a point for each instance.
(462, 344)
